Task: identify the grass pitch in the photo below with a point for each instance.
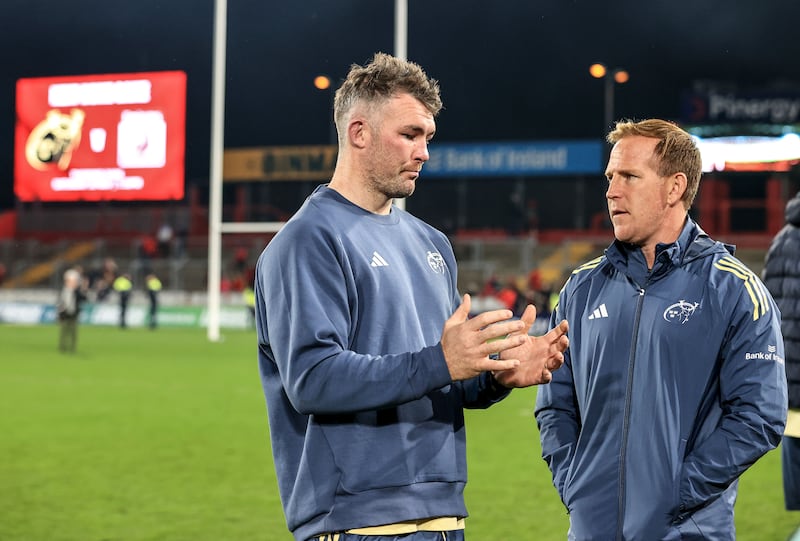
(162, 435)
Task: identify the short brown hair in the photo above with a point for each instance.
(382, 78)
(676, 151)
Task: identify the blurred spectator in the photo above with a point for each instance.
(237, 283)
(68, 308)
(153, 285)
(148, 249)
(181, 241)
(103, 278)
(123, 286)
(508, 296)
(240, 259)
(553, 300)
(515, 294)
(491, 287)
(541, 300)
(535, 279)
(3, 273)
(164, 239)
(782, 278)
(109, 272)
(249, 296)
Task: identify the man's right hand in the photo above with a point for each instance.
(466, 341)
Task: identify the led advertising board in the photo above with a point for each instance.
(110, 137)
(749, 152)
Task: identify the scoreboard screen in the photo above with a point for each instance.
(110, 137)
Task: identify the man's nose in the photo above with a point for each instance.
(612, 190)
(422, 153)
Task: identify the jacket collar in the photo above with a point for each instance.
(692, 243)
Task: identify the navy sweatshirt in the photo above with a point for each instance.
(366, 426)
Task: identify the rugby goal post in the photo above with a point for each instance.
(216, 227)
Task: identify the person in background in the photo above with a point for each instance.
(68, 309)
(148, 250)
(123, 286)
(366, 353)
(673, 383)
(101, 279)
(781, 275)
(249, 297)
(153, 285)
(164, 239)
(510, 295)
(240, 260)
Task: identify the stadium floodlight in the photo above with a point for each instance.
(610, 77)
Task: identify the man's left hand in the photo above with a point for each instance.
(539, 356)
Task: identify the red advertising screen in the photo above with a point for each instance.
(105, 137)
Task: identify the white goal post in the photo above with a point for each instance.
(216, 228)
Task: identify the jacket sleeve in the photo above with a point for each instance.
(753, 395)
(557, 415)
(304, 322)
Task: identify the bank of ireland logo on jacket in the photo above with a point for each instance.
(436, 262)
(680, 312)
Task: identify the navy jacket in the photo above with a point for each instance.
(782, 278)
(673, 385)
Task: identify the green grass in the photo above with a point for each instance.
(162, 435)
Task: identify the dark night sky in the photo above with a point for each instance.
(509, 69)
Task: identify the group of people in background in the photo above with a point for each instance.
(165, 243)
(106, 281)
(662, 377)
(516, 293)
(98, 286)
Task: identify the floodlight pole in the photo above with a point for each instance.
(401, 49)
(215, 171)
(608, 106)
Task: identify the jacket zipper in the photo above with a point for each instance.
(626, 418)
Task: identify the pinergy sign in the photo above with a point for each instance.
(730, 107)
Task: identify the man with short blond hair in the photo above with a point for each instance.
(673, 384)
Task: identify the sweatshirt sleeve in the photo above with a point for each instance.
(753, 394)
(482, 391)
(307, 321)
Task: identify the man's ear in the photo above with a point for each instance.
(677, 188)
(358, 133)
